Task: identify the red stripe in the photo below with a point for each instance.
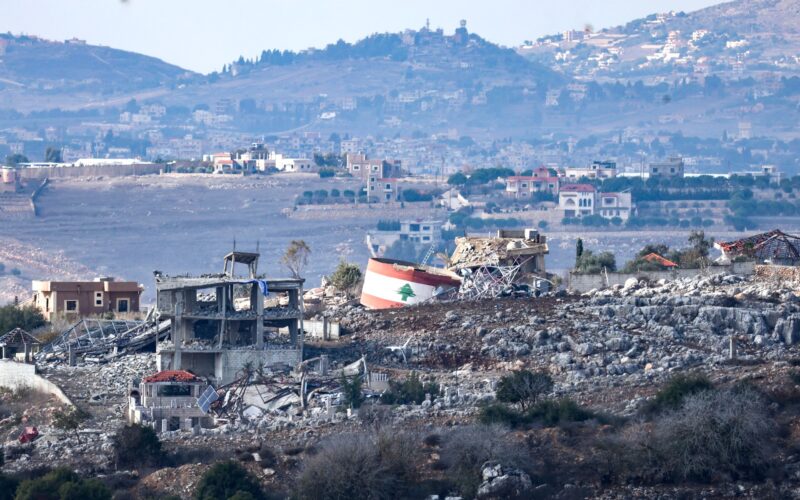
(411, 274)
(372, 302)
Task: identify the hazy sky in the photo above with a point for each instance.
(202, 35)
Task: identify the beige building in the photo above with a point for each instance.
(85, 298)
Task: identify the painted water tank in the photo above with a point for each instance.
(393, 283)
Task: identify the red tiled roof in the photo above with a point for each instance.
(584, 188)
(654, 257)
(172, 376)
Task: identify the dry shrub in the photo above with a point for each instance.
(361, 466)
(716, 432)
(465, 449)
(712, 435)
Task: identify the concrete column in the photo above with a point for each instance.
(259, 298)
(324, 364)
(72, 356)
(177, 331)
(165, 425)
(187, 424)
(732, 347)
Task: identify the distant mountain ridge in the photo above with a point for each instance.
(74, 65)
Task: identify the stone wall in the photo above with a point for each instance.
(321, 329)
(89, 171)
(582, 283)
(15, 376)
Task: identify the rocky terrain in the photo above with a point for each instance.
(610, 351)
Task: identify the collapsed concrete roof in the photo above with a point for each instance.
(497, 250)
(772, 245)
(18, 336)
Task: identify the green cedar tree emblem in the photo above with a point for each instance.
(406, 292)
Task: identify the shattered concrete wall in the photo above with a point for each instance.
(583, 283)
(16, 376)
(231, 362)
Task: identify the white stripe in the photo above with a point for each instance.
(388, 288)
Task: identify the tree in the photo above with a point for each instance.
(589, 263)
(296, 257)
(69, 420)
(16, 159)
(346, 277)
(578, 251)
(27, 318)
(352, 394)
(225, 480)
(457, 179)
(523, 387)
(136, 445)
(52, 155)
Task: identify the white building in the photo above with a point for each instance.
(597, 170)
(577, 200)
(580, 200)
(424, 232)
(292, 164)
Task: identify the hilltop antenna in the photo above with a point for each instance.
(258, 245)
(234, 243)
(428, 24)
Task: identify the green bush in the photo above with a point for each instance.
(8, 486)
(346, 277)
(137, 446)
(352, 395)
(62, 484)
(558, 412)
(327, 173)
(590, 263)
(411, 391)
(671, 396)
(225, 480)
(500, 414)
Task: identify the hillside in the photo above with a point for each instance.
(729, 39)
(74, 66)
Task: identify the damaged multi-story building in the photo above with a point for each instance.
(499, 264)
(222, 323)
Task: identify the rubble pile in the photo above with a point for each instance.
(607, 349)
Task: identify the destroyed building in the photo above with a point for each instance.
(167, 400)
(19, 345)
(221, 323)
(494, 265)
(774, 247)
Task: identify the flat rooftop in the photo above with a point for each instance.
(209, 281)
